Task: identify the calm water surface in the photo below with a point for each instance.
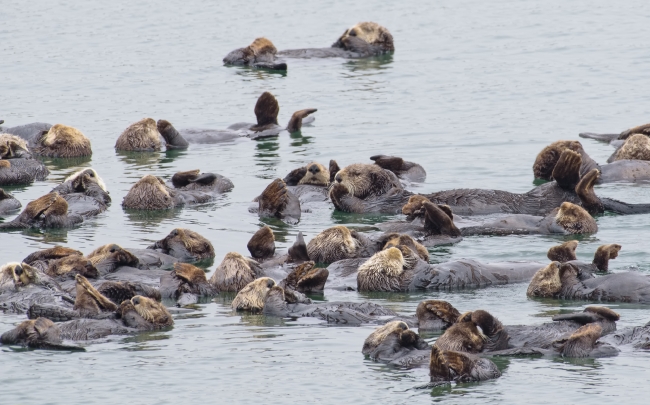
(473, 92)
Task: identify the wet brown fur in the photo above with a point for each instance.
(234, 273)
(152, 311)
(149, 193)
(370, 32)
(604, 254)
(89, 300)
(199, 247)
(546, 282)
(575, 219)
(547, 159)
(381, 333)
(462, 337)
(396, 239)
(437, 309)
(251, 297)
(274, 198)
(332, 244)
(365, 180)
(306, 278)
(564, 252)
(580, 343)
(267, 107)
(636, 147)
(140, 136)
(262, 244)
(62, 141)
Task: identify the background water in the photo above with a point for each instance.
(473, 92)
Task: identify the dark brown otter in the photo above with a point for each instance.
(186, 279)
(404, 170)
(62, 141)
(89, 301)
(306, 278)
(234, 273)
(392, 341)
(140, 136)
(277, 201)
(449, 365)
(262, 245)
(548, 158)
(566, 253)
(362, 40)
(38, 333)
(185, 245)
(436, 315)
(48, 211)
(396, 239)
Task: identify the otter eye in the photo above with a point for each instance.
(352, 33)
(113, 250)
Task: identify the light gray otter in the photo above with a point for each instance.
(641, 129)
(186, 283)
(404, 170)
(85, 193)
(567, 281)
(61, 141)
(8, 203)
(617, 170)
(267, 109)
(38, 333)
(17, 166)
(152, 193)
(362, 189)
(185, 245)
(48, 211)
(276, 201)
(363, 40)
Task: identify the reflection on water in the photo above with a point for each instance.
(248, 73)
(297, 139)
(143, 219)
(267, 157)
(55, 164)
(139, 160)
(378, 63)
(49, 236)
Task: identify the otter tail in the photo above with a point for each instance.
(599, 137)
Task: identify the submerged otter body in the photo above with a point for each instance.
(641, 129)
(85, 193)
(17, 167)
(8, 203)
(151, 193)
(48, 211)
(56, 141)
(360, 41)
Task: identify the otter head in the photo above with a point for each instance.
(189, 274)
(316, 175)
(152, 311)
(40, 333)
(365, 180)
(436, 315)
(438, 220)
(549, 156)
(149, 193)
(109, 257)
(253, 295)
(21, 274)
(185, 245)
(88, 176)
(636, 147)
(581, 342)
(12, 146)
(262, 244)
(604, 254)
(392, 340)
(89, 301)
(397, 239)
(333, 244)
(564, 252)
(546, 282)
(447, 365)
(463, 336)
(234, 273)
(140, 136)
(266, 111)
(70, 266)
(366, 35)
(382, 272)
(306, 278)
(497, 337)
(414, 207)
(574, 219)
(260, 53)
(63, 141)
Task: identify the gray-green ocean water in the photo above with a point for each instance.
(473, 92)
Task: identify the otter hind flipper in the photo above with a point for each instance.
(391, 163)
(294, 177)
(598, 137)
(281, 66)
(604, 254)
(567, 170)
(298, 251)
(585, 191)
(204, 179)
(438, 222)
(334, 168)
(298, 118)
(277, 201)
(173, 139)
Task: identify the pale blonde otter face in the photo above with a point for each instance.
(636, 147)
(251, 297)
(381, 333)
(140, 136)
(382, 271)
(546, 282)
(575, 220)
(152, 311)
(92, 174)
(149, 193)
(11, 143)
(20, 274)
(317, 175)
(234, 273)
(64, 141)
(364, 180)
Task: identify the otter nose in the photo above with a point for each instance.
(18, 270)
(135, 300)
(314, 169)
(338, 178)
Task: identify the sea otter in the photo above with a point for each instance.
(404, 170)
(17, 167)
(85, 193)
(185, 245)
(360, 41)
(635, 148)
(55, 141)
(566, 253)
(309, 183)
(38, 333)
(152, 193)
(8, 203)
(234, 273)
(186, 283)
(277, 201)
(23, 285)
(641, 129)
(62, 263)
(266, 112)
(622, 169)
(141, 136)
(48, 211)
(567, 281)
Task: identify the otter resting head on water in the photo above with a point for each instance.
(62, 141)
(140, 136)
(185, 245)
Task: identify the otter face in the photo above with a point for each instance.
(462, 337)
(365, 180)
(363, 34)
(63, 142)
(262, 244)
(109, 257)
(392, 340)
(185, 244)
(575, 220)
(152, 311)
(21, 274)
(333, 244)
(564, 252)
(395, 240)
(72, 265)
(636, 147)
(89, 300)
(91, 176)
(317, 175)
(140, 136)
(382, 271)
(149, 193)
(546, 282)
(446, 365)
(436, 315)
(252, 296)
(234, 273)
(549, 156)
(260, 53)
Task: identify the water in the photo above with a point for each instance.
(473, 92)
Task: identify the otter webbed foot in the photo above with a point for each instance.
(305, 278)
(298, 251)
(567, 170)
(438, 220)
(277, 201)
(298, 118)
(585, 191)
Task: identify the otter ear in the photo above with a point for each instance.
(298, 251)
(294, 176)
(334, 168)
(392, 163)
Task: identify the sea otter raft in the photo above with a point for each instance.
(360, 41)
